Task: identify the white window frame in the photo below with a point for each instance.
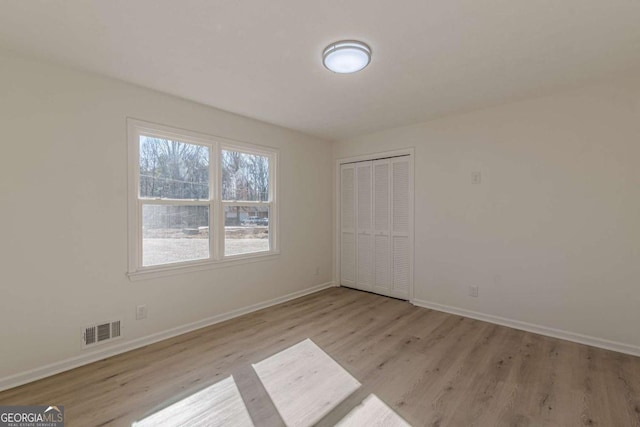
(136, 271)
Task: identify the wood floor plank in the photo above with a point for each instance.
(431, 368)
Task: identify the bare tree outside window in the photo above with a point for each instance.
(173, 170)
(245, 177)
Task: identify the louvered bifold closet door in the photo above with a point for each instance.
(364, 226)
(400, 226)
(348, 225)
(381, 226)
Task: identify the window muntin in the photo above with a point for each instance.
(183, 186)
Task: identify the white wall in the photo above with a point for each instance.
(552, 235)
(63, 245)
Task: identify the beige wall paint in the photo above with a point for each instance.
(551, 236)
(63, 250)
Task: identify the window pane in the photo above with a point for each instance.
(174, 233)
(246, 229)
(245, 176)
(173, 170)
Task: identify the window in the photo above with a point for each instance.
(197, 200)
(246, 201)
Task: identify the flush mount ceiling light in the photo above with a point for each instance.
(346, 56)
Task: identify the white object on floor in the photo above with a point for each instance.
(304, 383)
(218, 405)
(372, 412)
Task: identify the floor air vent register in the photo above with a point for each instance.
(103, 332)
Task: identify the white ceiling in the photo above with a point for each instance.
(262, 58)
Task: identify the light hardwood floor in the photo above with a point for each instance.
(432, 368)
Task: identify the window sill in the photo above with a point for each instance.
(156, 272)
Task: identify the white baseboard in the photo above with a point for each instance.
(122, 347)
(531, 327)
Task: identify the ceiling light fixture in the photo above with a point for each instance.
(346, 56)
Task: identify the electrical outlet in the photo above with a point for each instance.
(141, 312)
(476, 177)
(473, 291)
